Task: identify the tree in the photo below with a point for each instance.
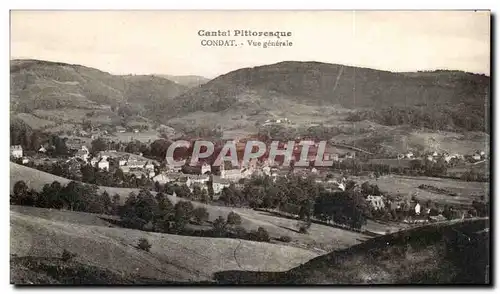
(106, 202)
(204, 196)
(115, 204)
(196, 192)
(144, 244)
(158, 186)
(59, 144)
(200, 215)
(183, 213)
(348, 208)
(220, 227)
(233, 218)
(304, 226)
(146, 207)
(260, 235)
(305, 210)
(20, 193)
(66, 255)
(99, 145)
(51, 196)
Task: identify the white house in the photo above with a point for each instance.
(167, 177)
(232, 174)
(134, 163)
(417, 209)
(16, 151)
(476, 157)
(206, 168)
(83, 154)
(42, 149)
(183, 181)
(94, 161)
(199, 179)
(103, 164)
(377, 202)
(409, 155)
(218, 184)
(149, 166)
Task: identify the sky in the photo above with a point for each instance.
(167, 42)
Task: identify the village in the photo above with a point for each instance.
(214, 180)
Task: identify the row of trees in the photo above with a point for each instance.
(73, 196)
(145, 212)
(31, 140)
(304, 198)
(449, 118)
(92, 175)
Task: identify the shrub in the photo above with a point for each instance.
(261, 235)
(304, 227)
(144, 244)
(240, 232)
(285, 239)
(200, 215)
(233, 218)
(184, 210)
(66, 255)
(220, 226)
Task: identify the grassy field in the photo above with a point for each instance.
(320, 238)
(405, 185)
(34, 122)
(141, 136)
(173, 258)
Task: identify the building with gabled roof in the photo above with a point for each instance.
(16, 151)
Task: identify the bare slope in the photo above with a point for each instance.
(450, 252)
(172, 257)
(189, 81)
(321, 238)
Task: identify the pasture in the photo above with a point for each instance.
(171, 258)
(321, 238)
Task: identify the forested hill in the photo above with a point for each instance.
(38, 84)
(332, 84)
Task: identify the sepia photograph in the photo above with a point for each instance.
(245, 147)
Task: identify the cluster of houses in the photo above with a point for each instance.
(435, 156)
(128, 163)
(276, 121)
(447, 157)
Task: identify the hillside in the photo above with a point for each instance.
(441, 253)
(320, 239)
(111, 251)
(190, 81)
(317, 83)
(37, 84)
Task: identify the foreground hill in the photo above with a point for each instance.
(320, 238)
(37, 84)
(112, 251)
(441, 253)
